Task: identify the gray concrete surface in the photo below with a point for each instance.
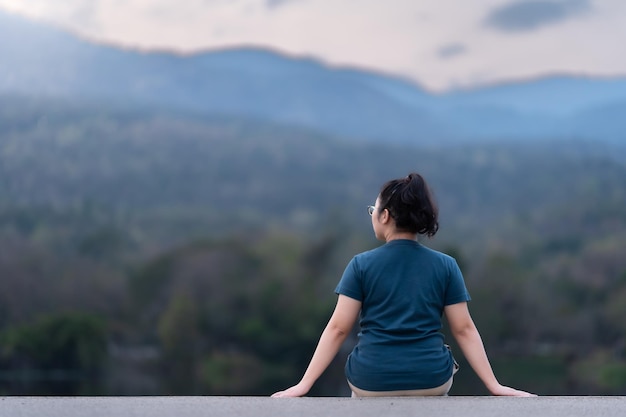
(327, 406)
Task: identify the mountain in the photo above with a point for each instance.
(37, 60)
(232, 173)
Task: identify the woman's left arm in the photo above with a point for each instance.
(466, 334)
(333, 336)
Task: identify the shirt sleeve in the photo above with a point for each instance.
(456, 292)
(350, 284)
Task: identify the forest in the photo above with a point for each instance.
(152, 253)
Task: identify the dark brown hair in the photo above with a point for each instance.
(411, 204)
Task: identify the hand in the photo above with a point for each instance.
(296, 391)
(510, 392)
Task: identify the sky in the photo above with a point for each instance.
(439, 44)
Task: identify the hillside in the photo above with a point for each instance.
(66, 155)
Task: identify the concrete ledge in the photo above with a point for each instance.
(321, 406)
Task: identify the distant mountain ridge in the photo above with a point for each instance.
(36, 60)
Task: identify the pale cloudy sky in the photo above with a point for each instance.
(438, 43)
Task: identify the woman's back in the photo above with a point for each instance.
(403, 287)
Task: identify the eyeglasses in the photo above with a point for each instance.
(370, 209)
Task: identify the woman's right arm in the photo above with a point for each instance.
(466, 334)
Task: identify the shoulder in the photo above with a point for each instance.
(360, 259)
(369, 255)
(435, 253)
(441, 258)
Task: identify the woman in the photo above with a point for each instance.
(400, 290)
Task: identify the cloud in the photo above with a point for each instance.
(527, 15)
(451, 50)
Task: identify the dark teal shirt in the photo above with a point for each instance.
(403, 287)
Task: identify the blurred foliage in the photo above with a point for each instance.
(199, 255)
(234, 303)
(68, 347)
(68, 341)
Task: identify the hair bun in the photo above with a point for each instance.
(411, 204)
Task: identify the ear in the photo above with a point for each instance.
(385, 216)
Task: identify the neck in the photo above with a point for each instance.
(400, 235)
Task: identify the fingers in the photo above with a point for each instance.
(527, 394)
(511, 392)
(286, 393)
